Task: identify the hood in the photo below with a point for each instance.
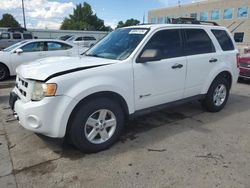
(45, 69)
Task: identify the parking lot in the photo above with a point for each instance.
(180, 147)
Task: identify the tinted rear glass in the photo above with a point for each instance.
(223, 39)
(198, 42)
(27, 36)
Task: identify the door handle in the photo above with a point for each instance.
(213, 60)
(177, 66)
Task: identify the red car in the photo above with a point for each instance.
(244, 63)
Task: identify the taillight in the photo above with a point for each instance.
(238, 60)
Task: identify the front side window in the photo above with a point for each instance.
(52, 46)
(215, 15)
(204, 16)
(119, 44)
(223, 39)
(88, 38)
(167, 43)
(17, 36)
(239, 37)
(228, 14)
(198, 42)
(33, 47)
(78, 39)
(242, 12)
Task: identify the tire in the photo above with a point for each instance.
(4, 72)
(91, 137)
(217, 95)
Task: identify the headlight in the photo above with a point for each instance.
(41, 90)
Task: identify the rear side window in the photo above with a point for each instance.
(224, 40)
(17, 36)
(198, 42)
(27, 36)
(168, 42)
(89, 38)
(52, 46)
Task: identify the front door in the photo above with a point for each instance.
(161, 81)
(31, 52)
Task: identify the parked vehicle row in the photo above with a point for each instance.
(29, 50)
(132, 71)
(245, 67)
(9, 38)
(84, 41)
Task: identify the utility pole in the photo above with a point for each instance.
(24, 22)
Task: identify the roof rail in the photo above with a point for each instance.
(183, 20)
(17, 29)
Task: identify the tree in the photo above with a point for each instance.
(9, 21)
(84, 19)
(129, 22)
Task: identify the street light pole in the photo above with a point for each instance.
(24, 21)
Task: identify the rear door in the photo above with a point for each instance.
(55, 48)
(201, 59)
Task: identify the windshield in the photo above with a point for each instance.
(119, 44)
(14, 46)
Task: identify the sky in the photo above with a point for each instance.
(50, 13)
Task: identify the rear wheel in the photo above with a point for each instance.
(4, 72)
(97, 125)
(217, 95)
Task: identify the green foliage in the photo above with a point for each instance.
(84, 19)
(129, 22)
(8, 21)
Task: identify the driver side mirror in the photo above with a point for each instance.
(149, 55)
(19, 51)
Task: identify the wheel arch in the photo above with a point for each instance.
(108, 94)
(225, 73)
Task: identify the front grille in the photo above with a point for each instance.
(22, 86)
(245, 64)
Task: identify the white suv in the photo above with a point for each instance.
(132, 71)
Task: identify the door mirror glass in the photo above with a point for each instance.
(149, 55)
(19, 51)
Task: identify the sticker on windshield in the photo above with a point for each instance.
(138, 31)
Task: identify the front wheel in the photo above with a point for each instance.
(4, 72)
(217, 95)
(96, 125)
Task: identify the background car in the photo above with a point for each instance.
(30, 50)
(245, 67)
(9, 38)
(84, 41)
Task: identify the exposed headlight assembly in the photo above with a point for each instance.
(41, 90)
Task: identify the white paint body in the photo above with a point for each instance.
(12, 59)
(126, 78)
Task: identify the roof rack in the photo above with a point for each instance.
(183, 20)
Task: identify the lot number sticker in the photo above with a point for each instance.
(138, 31)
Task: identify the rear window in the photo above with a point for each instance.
(224, 40)
(198, 42)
